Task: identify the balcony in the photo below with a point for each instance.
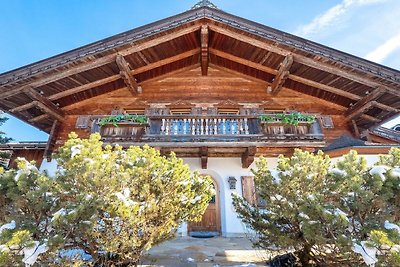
(210, 128)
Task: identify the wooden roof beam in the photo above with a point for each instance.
(45, 104)
(364, 103)
(204, 36)
(111, 78)
(357, 110)
(38, 118)
(51, 141)
(290, 76)
(49, 111)
(362, 79)
(299, 79)
(125, 72)
(98, 62)
(282, 75)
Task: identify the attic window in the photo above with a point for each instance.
(327, 122)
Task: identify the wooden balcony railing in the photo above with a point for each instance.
(210, 128)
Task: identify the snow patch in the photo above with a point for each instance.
(75, 150)
(124, 197)
(3, 248)
(8, 226)
(32, 253)
(27, 169)
(342, 214)
(275, 175)
(391, 226)
(395, 173)
(368, 253)
(339, 172)
(195, 200)
(379, 170)
(59, 213)
(304, 216)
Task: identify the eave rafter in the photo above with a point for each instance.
(283, 74)
(125, 72)
(299, 79)
(204, 38)
(112, 78)
(310, 62)
(364, 104)
(98, 62)
(44, 104)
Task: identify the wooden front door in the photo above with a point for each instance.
(211, 221)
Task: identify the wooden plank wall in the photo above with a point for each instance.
(190, 85)
(29, 155)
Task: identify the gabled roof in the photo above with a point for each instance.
(39, 93)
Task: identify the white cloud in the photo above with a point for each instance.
(332, 16)
(380, 53)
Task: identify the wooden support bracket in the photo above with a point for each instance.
(45, 104)
(51, 141)
(125, 72)
(204, 49)
(282, 75)
(356, 131)
(204, 156)
(248, 157)
(364, 104)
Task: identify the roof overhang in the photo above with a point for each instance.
(40, 93)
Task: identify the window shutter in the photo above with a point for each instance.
(95, 126)
(327, 122)
(248, 189)
(82, 122)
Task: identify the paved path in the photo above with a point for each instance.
(205, 252)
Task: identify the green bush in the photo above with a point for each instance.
(104, 207)
(329, 214)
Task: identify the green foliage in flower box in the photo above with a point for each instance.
(290, 118)
(115, 119)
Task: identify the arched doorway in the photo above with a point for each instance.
(211, 220)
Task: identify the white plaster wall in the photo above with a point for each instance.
(220, 169)
(371, 159)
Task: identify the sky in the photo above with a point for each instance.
(35, 30)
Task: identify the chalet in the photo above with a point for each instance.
(217, 89)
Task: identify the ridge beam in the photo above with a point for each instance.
(204, 38)
(125, 72)
(283, 74)
(44, 104)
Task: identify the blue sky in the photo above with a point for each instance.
(35, 30)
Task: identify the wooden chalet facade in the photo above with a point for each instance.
(202, 79)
